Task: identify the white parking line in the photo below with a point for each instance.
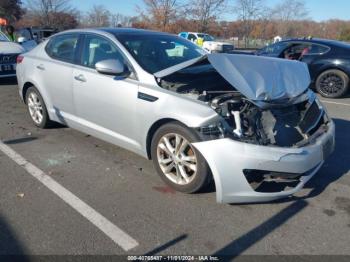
(335, 103)
(112, 231)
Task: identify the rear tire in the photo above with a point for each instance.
(37, 108)
(332, 83)
(178, 163)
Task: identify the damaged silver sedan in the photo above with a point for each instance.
(248, 124)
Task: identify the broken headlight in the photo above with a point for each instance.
(212, 131)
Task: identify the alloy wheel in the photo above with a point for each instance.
(177, 159)
(331, 83)
(35, 108)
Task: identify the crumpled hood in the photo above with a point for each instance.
(262, 78)
(10, 48)
(258, 78)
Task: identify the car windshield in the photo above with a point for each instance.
(3, 38)
(156, 52)
(206, 37)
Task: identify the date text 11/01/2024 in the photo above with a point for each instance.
(173, 258)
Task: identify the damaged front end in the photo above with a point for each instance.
(290, 125)
(272, 130)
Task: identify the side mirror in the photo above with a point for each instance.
(21, 40)
(112, 67)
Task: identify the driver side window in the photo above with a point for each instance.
(97, 49)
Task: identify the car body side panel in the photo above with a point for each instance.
(108, 104)
(318, 66)
(52, 78)
(57, 78)
(26, 73)
(173, 106)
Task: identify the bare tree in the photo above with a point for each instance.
(120, 20)
(290, 10)
(248, 11)
(44, 10)
(97, 16)
(160, 12)
(286, 13)
(205, 11)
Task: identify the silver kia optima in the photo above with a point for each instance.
(249, 124)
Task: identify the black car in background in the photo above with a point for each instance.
(328, 61)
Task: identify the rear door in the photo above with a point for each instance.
(313, 58)
(54, 72)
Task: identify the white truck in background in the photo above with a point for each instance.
(207, 42)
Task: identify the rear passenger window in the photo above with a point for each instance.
(63, 47)
(318, 49)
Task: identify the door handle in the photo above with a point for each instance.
(80, 78)
(40, 67)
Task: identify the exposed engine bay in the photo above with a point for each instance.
(282, 124)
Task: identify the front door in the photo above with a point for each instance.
(105, 105)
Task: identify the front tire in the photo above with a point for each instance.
(178, 163)
(332, 83)
(37, 109)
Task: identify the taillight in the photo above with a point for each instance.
(19, 59)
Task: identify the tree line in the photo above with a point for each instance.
(244, 19)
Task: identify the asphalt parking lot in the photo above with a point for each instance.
(147, 217)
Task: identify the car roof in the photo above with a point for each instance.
(129, 31)
(320, 41)
(114, 31)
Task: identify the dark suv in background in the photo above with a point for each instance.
(328, 62)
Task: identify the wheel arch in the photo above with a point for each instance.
(316, 74)
(25, 88)
(43, 92)
(153, 129)
(331, 67)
